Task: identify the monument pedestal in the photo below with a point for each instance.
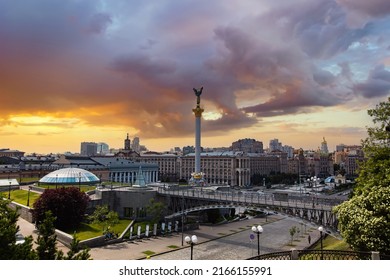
(197, 180)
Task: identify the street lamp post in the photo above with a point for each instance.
(28, 196)
(182, 220)
(79, 180)
(258, 230)
(321, 229)
(9, 190)
(192, 241)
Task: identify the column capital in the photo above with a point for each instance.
(198, 111)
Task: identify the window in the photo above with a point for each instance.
(128, 212)
(141, 212)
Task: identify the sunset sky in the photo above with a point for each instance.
(299, 70)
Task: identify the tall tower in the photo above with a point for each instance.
(127, 143)
(197, 176)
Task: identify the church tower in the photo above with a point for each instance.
(324, 147)
(127, 143)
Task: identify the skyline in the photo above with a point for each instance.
(75, 71)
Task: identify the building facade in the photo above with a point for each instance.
(233, 168)
(88, 149)
(168, 165)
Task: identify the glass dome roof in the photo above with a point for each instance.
(70, 176)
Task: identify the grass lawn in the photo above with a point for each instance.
(87, 231)
(331, 243)
(29, 179)
(20, 196)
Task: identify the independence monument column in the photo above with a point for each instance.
(197, 176)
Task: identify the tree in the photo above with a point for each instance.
(75, 252)
(46, 249)
(292, 231)
(47, 239)
(156, 210)
(103, 216)
(9, 250)
(364, 220)
(375, 171)
(68, 205)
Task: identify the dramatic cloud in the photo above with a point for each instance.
(131, 64)
(377, 84)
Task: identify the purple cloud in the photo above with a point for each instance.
(376, 85)
(372, 7)
(98, 23)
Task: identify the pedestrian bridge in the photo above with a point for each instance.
(314, 209)
(209, 207)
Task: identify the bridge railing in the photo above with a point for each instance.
(253, 198)
(321, 255)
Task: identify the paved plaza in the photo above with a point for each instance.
(230, 241)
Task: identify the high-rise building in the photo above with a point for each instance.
(88, 149)
(102, 148)
(289, 150)
(275, 145)
(135, 146)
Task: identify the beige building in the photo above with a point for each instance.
(168, 165)
(232, 168)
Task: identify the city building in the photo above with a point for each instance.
(168, 165)
(103, 148)
(125, 171)
(275, 145)
(11, 153)
(289, 151)
(247, 145)
(88, 149)
(233, 168)
(264, 164)
(351, 163)
(127, 152)
(112, 169)
(348, 158)
(282, 156)
(135, 146)
(188, 150)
